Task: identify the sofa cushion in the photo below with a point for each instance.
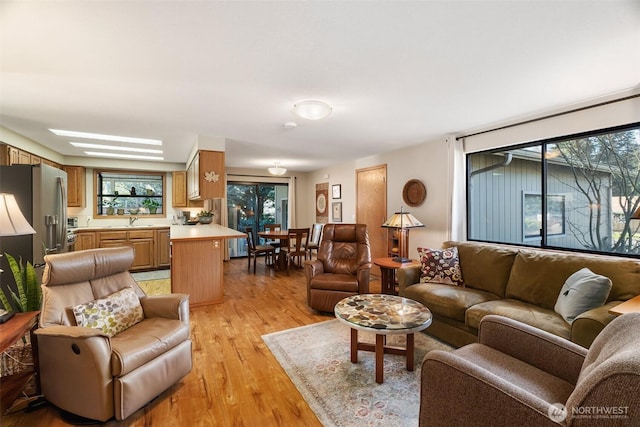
(446, 300)
(440, 266)
(113, 314)
(145, 342)
(583, 291)
(474, 261)
(545, 319)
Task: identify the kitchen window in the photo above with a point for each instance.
(128, 193)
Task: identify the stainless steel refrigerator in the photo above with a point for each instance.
(41, 193)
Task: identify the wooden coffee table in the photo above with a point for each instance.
(383, 315)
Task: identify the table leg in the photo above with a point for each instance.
(410, 356)
(354, 346)
(387, 280)
(379, 358)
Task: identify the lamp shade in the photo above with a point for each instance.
(402, 220)
(12, 222)
(277, 169)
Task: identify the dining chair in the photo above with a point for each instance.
(276, 243)
(253, 250)
(314, 240)
(296, 248)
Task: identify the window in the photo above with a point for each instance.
(574, 193)
(128, 193)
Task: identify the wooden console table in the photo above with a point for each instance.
(10, 332)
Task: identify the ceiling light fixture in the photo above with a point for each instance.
(115, 148)
(87, 135)
(276, 170)
(122, 156)
(312, 109)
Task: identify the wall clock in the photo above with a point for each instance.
(414, 193)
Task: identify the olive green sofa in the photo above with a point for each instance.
(519, 283)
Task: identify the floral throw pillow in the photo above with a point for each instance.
(440, 266)
(113, 314)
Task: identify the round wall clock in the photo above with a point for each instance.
(414, 192)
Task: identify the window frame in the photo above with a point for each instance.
(97, 195)
(545, 237)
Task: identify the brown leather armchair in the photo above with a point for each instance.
(342, 266)
(85, 370)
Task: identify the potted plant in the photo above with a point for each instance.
(28, 294)
(205, 217)
(111, 204)
(151, 204)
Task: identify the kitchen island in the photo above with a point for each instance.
(197, 254)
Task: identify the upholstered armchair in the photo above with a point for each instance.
(519, 375)
(342, 266)
(131, 348)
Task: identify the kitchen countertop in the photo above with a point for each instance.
(204, 232)
(116, 227)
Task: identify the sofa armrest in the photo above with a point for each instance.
(550, 353)
(589, 324)
(313, 268)
(407, 276)
(455, 391)
(169, 306)
(363, 273)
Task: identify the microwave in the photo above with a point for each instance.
(72, 222)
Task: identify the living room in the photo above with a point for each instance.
(542, 103)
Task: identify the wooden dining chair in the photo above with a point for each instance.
(276, 243)
(296, 248)
(253, 250)
(314, 240)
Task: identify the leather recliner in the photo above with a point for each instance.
(85, 371)
(342, 266)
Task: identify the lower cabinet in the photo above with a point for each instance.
(151, 245)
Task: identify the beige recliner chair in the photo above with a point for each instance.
(84, 370)
(521, 375)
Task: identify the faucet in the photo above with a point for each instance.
(132, 219)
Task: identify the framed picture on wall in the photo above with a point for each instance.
(336, 191)
(336, 212)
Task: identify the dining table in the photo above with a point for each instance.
(283, 236)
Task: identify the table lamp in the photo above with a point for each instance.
(402, 221)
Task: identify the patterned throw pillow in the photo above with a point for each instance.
(113, 314)
(440, 266)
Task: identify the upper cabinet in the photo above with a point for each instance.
(75, 185)
(206, 176)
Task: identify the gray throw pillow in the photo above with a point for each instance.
(584, 290)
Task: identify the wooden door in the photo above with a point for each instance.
(371, 207)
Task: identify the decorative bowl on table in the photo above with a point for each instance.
(205, 219)
(192, 222)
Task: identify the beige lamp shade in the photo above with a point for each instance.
(12, 222)
(402, 220)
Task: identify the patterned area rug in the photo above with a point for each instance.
(156, 287)
(317, 359)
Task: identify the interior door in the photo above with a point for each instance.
(371, 207)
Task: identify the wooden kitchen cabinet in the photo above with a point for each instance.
(179, 194)
(196, 270)
(75, 185)
(163, 246)
(143, 243)
(85, 240)
(206, 176)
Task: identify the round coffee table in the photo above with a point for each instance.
(383, 315)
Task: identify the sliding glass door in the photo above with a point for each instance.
(252, 204)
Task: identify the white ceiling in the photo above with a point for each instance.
(396, 73)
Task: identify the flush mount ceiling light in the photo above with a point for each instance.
(312, 109)
(276, 170)
(87, 135)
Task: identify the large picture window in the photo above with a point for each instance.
(128, 193)
(576, 192)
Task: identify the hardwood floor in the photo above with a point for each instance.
(235, 380)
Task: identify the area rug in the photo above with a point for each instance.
(156, 287)
(317, 359)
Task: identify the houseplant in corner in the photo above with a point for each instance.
(151, 204)
(28, 294)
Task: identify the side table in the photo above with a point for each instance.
(388, 269)
(629, 306)
(10, 332)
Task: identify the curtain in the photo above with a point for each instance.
(292, 202)
(456, 184)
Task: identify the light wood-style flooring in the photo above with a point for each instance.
(235, 380)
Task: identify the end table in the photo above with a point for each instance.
(388, 269)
